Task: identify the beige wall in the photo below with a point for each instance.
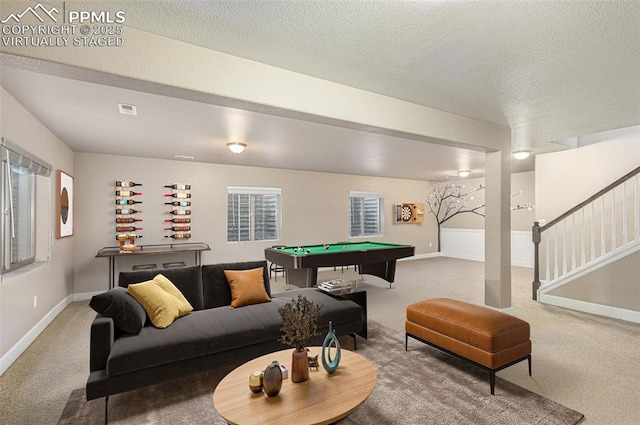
(615, 285)
(314, 209)
(520, 220)
(564, 179)
(50, 281)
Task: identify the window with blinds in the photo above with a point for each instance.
(18, 170)
(252, 213)
(365, 213)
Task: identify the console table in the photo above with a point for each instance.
(113, 252)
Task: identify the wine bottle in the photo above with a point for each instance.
(126, 211)
(179, 195)
(178, 220)
(179, 236)
(127, 193)
(178, 228)
(127, 202)
(127, 220)
(127, 228)
(176, 186)
(179, 212)
(179, 203)
(127, 235)
(123, 183)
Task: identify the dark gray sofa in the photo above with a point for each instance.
(210, 336)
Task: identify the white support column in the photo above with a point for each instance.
(497, 284)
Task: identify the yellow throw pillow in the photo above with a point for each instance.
(247, 287)
(169, 287)
(161, 307)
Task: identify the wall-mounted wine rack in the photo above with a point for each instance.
(180, 202)
(126, 219)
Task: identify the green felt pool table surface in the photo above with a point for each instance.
(337, 247)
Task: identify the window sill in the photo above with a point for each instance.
(17, 274)
(366, 237)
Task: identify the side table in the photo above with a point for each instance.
(360, 298)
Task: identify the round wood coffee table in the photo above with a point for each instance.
(322, 399)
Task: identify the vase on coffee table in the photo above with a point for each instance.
(299, 365)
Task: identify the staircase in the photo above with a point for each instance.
(598, 232)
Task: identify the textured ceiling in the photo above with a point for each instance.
(552, 71)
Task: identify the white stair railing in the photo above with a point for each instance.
(613, 208)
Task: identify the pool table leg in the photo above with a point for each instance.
(302, 278)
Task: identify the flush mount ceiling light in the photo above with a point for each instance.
(464, 173)
(521, 154)
(236, 147)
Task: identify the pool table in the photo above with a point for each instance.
(301, 262)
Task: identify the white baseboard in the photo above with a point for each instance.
(24, 342)
(587, 307)
(85, 296)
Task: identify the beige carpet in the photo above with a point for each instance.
(588, 363)
(419, 386)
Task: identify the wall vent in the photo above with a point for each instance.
(127, 109)
(185, 157)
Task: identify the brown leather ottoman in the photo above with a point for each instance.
(484, 337)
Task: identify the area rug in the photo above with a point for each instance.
(419, 386)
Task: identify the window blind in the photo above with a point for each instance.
(17, 156)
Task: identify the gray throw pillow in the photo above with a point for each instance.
(127, 314)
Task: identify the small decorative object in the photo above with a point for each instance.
(285, 372)
(330, 364)
(299, 324)
(272, 379)
(64, 202)
(313, 362)
(255, 382)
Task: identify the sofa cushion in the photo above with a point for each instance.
(216, 290)
(161, 307)
(127, 314)
(201, 333)
(247, 287)
(170, 288)
(187, 279)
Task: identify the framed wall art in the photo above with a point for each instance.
(64, 205)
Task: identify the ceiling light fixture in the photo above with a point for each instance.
(464, 173)
(521, 154)
(236, 147)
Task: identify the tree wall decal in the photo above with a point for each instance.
(445, 201)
